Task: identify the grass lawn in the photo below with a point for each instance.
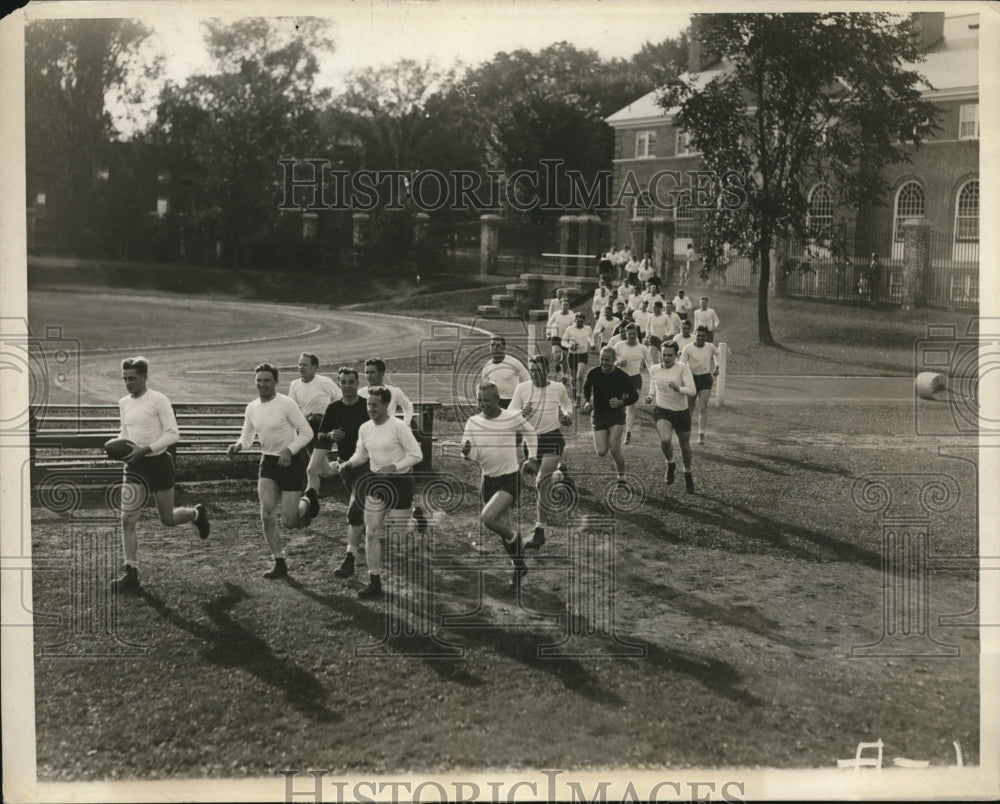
(744, 599)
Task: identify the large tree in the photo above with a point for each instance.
(796, 99)
(229, 128)
(75, 70)
(551, 104)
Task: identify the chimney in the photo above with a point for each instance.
(929, 29)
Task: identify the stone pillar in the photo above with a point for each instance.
(565, 224)
(663, 246)
(489, 243)
(916, 260)
(359, 234)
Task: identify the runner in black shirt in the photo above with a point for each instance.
(607, 391)
(339, 431)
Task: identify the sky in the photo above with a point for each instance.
(373, 34)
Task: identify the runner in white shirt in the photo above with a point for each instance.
(283, 433)
(375, 376)
(646, 270)
(652, 295)
(670, 388)
(147, 419)
(556, 326)
(641, 319)
(604, 327)
(490, 439)
(546, 406)
(706, 317)
(602, 298)
(630, 357)
(505, 371)
(683, 305)
(675, 320)
(684, 338)
(391, 449)
(578, 340)
(555, 303)
(690, 258)
(661, 327)
(399, 403)
(703, 358)
(312, 392)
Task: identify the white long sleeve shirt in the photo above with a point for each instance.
(558, 322)
(665, 397)
(391, 442)
(149, 421)
(604, 328)
(700, 358)
(494, 443)
(706, 318)
(399, 402)
(312, 397)
(506, 375)
(583, 337)
(631, 358)
(278, 424)
(546, 404)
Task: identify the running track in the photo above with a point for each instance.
(219, 371)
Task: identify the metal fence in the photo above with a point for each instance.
(851, 266)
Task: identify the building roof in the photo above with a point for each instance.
(951, 66)
(953, 63)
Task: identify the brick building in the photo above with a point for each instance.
(941, 184)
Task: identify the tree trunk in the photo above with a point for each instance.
(764, 336)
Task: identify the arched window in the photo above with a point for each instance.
(819, 219)
(967, 212)
(911, 204)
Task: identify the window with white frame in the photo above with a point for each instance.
(162, 206)
(684, 144)
(968, 121)
(645, 143)
(911, 204)
(967, 212)
(643, 206)
(40, 199)
(819, 218)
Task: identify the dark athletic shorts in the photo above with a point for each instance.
(636, 381)
(679, 419)
(607, 420)
(576, 358)
(491, 485)
(702, 382)
(154, 472)
(288, 478)
(551, 443)
(394, 490)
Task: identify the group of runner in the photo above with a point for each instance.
(374, 455)
(325, 428)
